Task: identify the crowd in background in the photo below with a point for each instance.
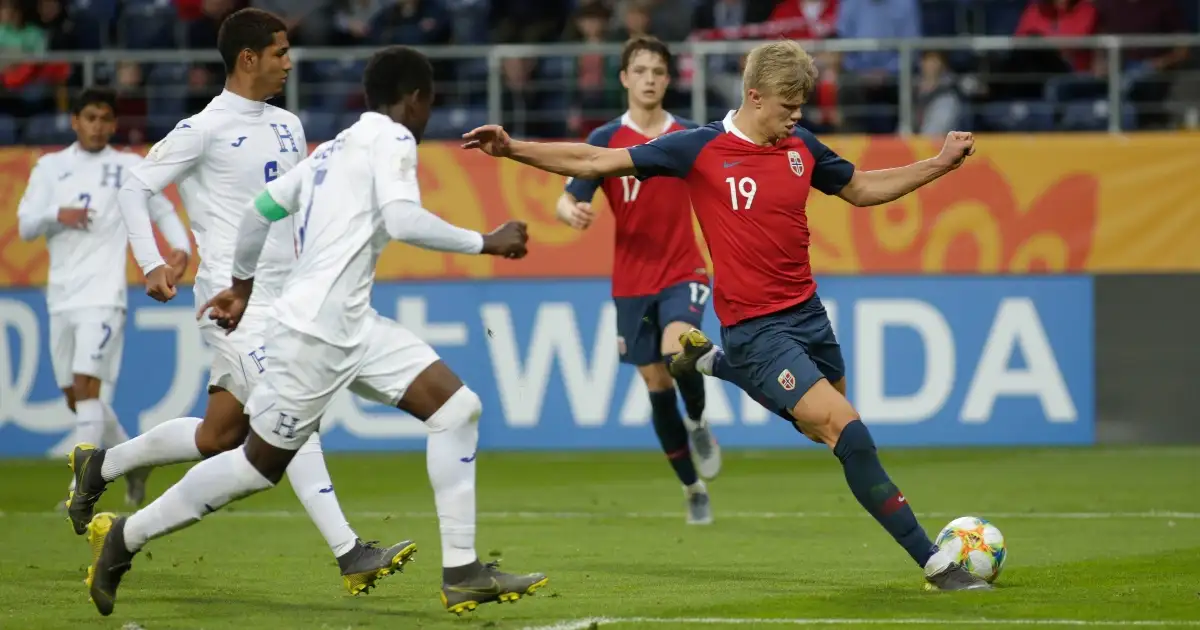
(1020, 90)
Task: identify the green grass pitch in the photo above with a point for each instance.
(1097, 537)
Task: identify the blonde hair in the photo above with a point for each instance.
(780, 68)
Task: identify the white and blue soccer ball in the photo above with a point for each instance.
(976, 544)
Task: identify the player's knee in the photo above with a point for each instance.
(462, 408)
(213, 438)
(657, 377)
(69, 393)
(670, 337)
(85, 387)
(823, 413)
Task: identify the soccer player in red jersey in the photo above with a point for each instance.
(749, 177)
(660, 282)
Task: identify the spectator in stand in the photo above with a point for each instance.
(1061, 18)
(727, 20)
(132, 107)
(468, 20)
(309, 22)
(411, 22)
(596, 88)
(206, 79)
(18, 34)
(352, 20)
(526, 22)
(876, 71)
(804, 19)
(636, 20)
(669, 20)
(1146, 78)
(1059, 76)
(938, 105)
(60, 30)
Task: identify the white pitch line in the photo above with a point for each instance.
(557, 516)
(601, 622)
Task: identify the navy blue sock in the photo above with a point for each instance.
(722, 370)
(876, 492)
(691, 389)
(672, 435)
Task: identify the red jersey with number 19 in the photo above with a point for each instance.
(655, 246)
(750, 201)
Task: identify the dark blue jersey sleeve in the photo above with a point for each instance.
(831, 173)
(672, 154)
(585, 189)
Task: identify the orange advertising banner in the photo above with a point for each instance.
(1023, 204)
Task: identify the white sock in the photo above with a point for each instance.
(171, 442)
(89, 422)
(310, 479)
(450, 458)
(114, 433)
(696, 488)
(704, 364)
(206, 488)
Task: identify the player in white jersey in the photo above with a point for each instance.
(220, 158)
(71, 198)
(348, 198)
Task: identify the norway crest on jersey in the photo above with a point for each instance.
(796, 163)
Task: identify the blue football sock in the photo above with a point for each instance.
(672, 435)
(876, 492)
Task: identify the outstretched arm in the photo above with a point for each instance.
(872, 188)
(573, 159)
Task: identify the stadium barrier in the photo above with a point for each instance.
(932, 361)
(1089, 203)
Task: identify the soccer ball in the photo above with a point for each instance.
(976, 544)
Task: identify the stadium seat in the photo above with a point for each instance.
(9, 130)
(1092, 115)
(452, 122)
(1017, 116)
(319, 126)
(148, 25)
(48, 129)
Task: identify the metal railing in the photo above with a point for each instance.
(908, 50)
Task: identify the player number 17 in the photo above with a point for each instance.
(746, 186)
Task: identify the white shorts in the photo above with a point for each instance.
(87, 341)
(239, 358)
(305, 373)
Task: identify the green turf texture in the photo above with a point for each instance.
(609, 531)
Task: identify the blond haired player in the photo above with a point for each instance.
(749, 178)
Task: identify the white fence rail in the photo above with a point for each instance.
(908, 50)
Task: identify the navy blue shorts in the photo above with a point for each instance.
(784, 354)
(642, 319)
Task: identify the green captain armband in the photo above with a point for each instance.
(267, 207)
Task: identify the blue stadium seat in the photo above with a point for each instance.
(452, 122)
(48, 129)
(148, 24)
(319, 126)
(100, 10)
(9, 130)
(1018, 116)
(1093, 116)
